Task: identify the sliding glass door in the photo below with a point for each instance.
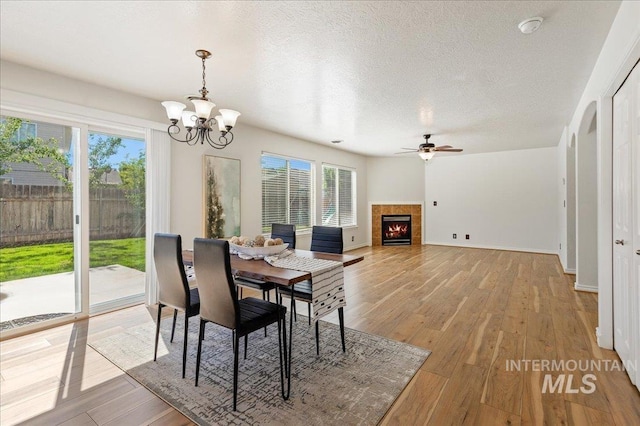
(72, 220)
(38, 232)
(116, 173)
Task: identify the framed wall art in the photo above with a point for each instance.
(221, 202)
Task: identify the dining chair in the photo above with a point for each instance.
(173, 286)
(287, 233)
(219, 304)
(325, 239)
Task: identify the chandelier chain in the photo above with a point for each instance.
(204, 80)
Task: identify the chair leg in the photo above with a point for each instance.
(282, 370)
(246, 337)
(235, 370)
(265, 296)
(318, 338)
(155, 351)
(309, 311)
(200, 339)
(173, 327)
(240, 295)
(341, 317)
(184, 346)
(295, 312)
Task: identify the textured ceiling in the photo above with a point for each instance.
(375, 74)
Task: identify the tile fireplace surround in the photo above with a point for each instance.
(377, 210)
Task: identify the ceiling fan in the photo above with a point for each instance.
(427, 150)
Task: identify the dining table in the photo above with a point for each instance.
(258, 269)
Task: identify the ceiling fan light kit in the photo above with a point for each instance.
(427, 150)
(426, 156)
(198, 124)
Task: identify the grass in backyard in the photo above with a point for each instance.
(45, 259)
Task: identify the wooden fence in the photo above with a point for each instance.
(31, 214)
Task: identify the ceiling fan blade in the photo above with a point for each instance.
(449, 150)
(443, 146)
(406, 152)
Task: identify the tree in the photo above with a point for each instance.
(132, 175)
(100, 152)
(33, 150)
(213, 206)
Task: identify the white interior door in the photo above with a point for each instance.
(625, 274)
(635, 172)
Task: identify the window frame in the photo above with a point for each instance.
(312, 190)
(354, 194)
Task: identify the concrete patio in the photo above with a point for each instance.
(50, 295)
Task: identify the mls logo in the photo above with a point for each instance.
(564, 384)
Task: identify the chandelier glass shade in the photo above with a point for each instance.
(198, 124)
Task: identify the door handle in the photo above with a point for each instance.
(621, 242)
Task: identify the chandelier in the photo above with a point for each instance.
(198, 125)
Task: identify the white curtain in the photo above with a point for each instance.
(158, 201)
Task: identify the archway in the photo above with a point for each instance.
(571, 206)
(587, 202)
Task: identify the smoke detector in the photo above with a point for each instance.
(530, 25)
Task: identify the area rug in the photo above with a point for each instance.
(352, 388)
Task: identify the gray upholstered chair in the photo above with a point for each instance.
(325, 239)
(219, 304)
(287, 233)
(174, 291)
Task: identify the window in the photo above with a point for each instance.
(26, 131)
(287, 192)
(338, 196)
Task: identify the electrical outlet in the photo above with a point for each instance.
(353, 238)
(435, 203)
(455, 236)
(466, 237)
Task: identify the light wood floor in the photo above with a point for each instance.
(474, 309)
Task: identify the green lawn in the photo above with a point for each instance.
(45, 259)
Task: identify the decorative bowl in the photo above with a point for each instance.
(257, 252)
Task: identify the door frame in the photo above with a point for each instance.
(26, 105)
(604, 330)
(80, 228)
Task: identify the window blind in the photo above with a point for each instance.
(338, 196)
(287, 195)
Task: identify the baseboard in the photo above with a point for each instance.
(357, 246)
(571, 271)
(489, 247)
(587, 288)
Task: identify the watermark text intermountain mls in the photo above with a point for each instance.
(559, 377)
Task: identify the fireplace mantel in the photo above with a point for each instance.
(414, 210)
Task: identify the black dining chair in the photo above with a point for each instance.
(219, 304)
(287, 233)
(325, 239)
(173, 286)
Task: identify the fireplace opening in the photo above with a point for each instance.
(396, 230)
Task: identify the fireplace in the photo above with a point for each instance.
(396, 230)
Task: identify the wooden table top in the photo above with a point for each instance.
(261, 270)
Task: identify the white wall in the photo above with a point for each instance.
(505, 200)
(587, 204)
(248, 145)
(621, 50)
(562, 199)
(53, 86)
(395, 180)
